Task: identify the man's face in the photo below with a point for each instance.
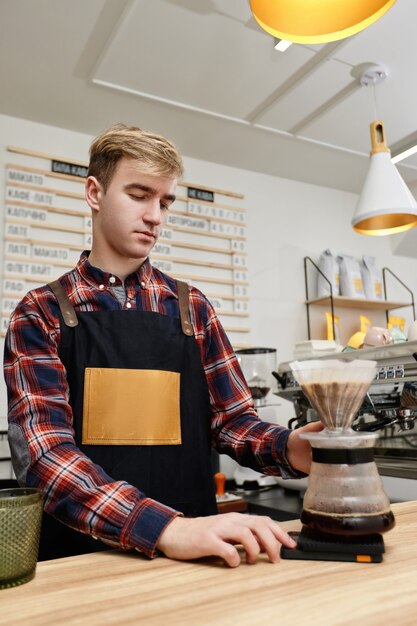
(128, 217)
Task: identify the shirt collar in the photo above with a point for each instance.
(96, 277)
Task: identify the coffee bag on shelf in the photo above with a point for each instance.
(351, 284)
(371, 278)
(330, 267)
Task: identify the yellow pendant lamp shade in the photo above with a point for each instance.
(386, 205)
(317, 21)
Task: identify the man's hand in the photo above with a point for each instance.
(216, 535)
(299, 450)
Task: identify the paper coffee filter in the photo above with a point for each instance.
(332, 370)
(335, 388)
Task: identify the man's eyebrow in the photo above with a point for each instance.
(151, 190)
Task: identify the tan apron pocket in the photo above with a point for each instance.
(131, 407)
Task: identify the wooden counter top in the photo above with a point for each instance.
(114, 588)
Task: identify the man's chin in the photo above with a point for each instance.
(140, 252)
(138, 258)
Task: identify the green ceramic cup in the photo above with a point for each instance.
(20, 527)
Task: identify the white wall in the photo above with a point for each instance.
(287, 220)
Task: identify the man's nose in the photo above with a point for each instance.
(153, 212)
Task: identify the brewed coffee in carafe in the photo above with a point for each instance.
(345, 494)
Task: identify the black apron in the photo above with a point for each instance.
(179, 475)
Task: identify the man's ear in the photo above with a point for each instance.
(93, 193)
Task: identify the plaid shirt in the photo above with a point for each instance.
(41, 434)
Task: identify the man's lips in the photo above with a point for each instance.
(147, 233)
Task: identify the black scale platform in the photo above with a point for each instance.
(312, 545)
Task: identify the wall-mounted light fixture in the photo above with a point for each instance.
(317, 21)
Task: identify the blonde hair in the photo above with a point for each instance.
(156, 154)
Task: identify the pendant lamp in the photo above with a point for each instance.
(317, 21)
(386, 205)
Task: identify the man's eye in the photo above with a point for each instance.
(164, 207)
(135, 197)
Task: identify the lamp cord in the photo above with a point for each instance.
(375, 106)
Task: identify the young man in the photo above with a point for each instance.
(120, 380)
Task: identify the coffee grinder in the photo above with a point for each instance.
(257, 366)
(345, 508)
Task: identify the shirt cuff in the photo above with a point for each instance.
(145, 525)
(287, 471)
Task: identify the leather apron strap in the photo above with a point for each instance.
(183, 304)
(70, 317)
(67, 310)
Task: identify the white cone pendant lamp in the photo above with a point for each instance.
(386, 205)
(317, 21)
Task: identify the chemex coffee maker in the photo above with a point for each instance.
(345, 508)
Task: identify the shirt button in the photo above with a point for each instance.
(101, 287)
(143, 284)
(112, 279)
(128, 305)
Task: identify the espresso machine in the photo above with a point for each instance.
(345, 509)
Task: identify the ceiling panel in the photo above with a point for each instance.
(207, 61)
(348, 124)
(210, 57)
(410, 161)
(310, 94)
(389, 42)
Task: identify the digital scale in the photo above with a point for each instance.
(314, 546)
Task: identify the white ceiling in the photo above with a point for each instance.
(206, 75)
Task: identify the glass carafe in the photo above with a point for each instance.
(345, 494)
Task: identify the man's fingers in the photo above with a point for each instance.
(312, 427)
(227, 552)
(254, 521)
(269, 536)
(283, 537)
(261, 534)
(242, 534)
(217, 535)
